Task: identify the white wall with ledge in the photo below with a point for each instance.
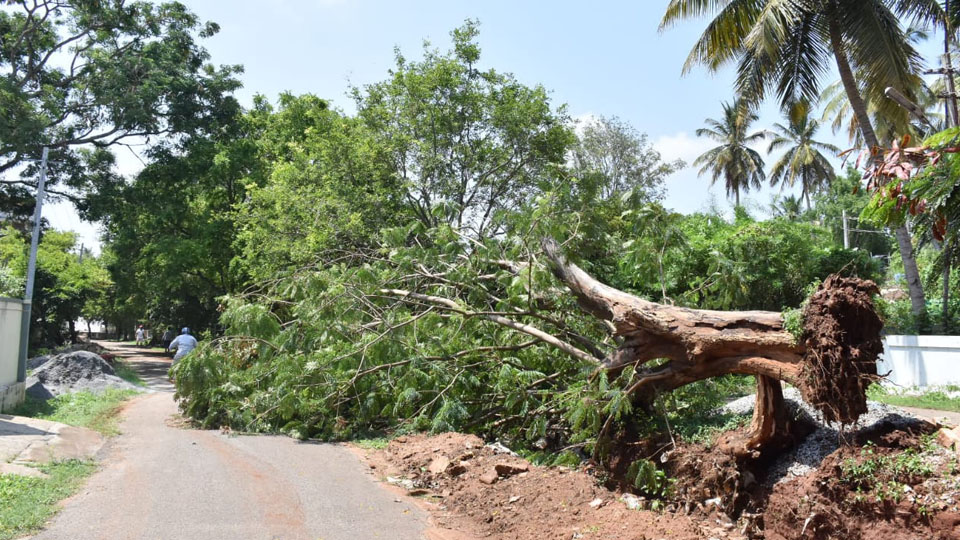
(11, 391)
(921, 360)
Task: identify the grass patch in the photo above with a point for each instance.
(27, 503)
(934, 399)
(705, 429)
(127, 373)
(378, 443)
(85, 409)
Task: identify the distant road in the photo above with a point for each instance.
(163, 481)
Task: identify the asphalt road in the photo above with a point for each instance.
(162, 481)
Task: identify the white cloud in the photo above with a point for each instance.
(681, 145)
(583, 120)
(64, 217)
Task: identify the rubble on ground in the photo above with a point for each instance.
(486, 490)
(37, 361)
(73, 371)
(807, 456)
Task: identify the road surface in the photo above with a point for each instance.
(160, 480)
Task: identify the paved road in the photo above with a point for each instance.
(951, 417)
(160, 481)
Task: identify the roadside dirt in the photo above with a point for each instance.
(456, 478)
(898, 486)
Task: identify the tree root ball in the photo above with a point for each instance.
(841, 337)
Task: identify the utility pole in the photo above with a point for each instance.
(31, 270)
(846, 230)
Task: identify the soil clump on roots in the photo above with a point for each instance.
(841, 337)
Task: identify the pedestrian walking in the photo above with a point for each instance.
(167, 338)
(141, 337)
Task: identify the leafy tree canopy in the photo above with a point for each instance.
(81, 77)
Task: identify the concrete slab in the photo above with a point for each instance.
(25, 441)
(21, 470)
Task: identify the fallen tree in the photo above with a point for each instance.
(447, 334)
(832, 362)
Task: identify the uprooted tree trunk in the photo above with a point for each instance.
(832, 364)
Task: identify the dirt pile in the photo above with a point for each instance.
(841, 335)
(74, 371)
(889, 482)
(900, 486)
(477, 489)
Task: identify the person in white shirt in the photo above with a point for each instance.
(141, 336)
(184, 343)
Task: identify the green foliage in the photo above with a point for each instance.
(27, 503)
(127, 373)
(929, 399)
(705, 429)
(898, 318)
(845, 194)
(885, 474)
(372, 444)
(708, 262)
(612, 158)
(11, 285)
(85, 409)
(65, 285)
(644, 475)
(387, 274)
(465, 142)
(82, 74)
(793, 323)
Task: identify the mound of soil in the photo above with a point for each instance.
(887, 483)
(479, 490)
(74, 371)
(888, 503)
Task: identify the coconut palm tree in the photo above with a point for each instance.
(740, 166)
(786, 46)
(803, 161)
(788, 207)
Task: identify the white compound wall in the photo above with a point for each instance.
(921, 360)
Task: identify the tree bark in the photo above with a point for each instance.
(701, 344)
(915, 288)
(770, 419)
(918, 302)
(947, 263)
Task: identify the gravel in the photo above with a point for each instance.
(74, 371)
(825, 439)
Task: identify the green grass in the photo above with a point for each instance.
(378, 443)
(705, 429)
(84, 409)
(27, 503)
(125, 372)
(935, 399)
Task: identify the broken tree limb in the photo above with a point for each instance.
(499, 319)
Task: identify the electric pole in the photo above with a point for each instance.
(31, 271)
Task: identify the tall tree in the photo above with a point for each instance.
(621, 158)
(803, 161)
(466, 142)
(786, 46)
(740, 166)
(76, 75)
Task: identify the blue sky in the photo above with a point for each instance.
(599, 58)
